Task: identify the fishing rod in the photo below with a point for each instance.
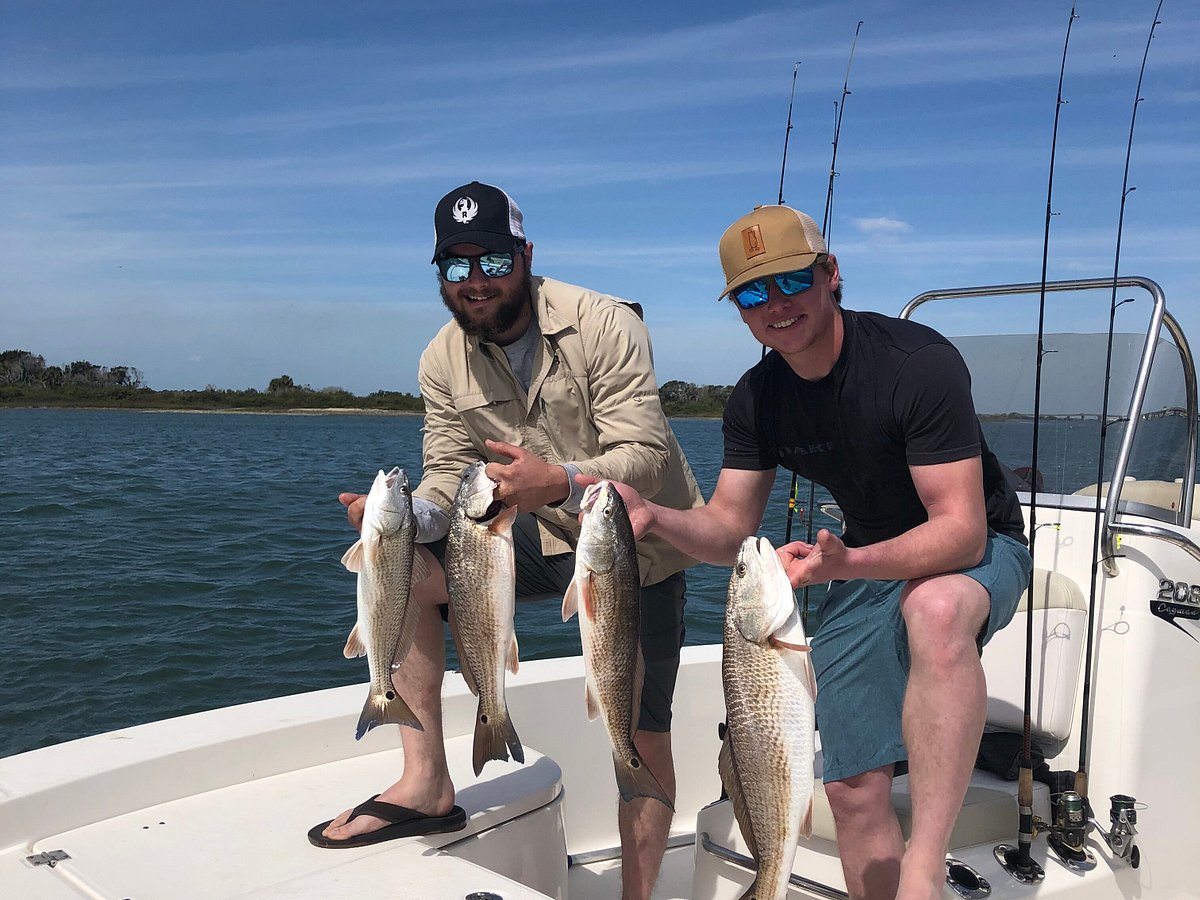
(840, 107)
(1081, 778)
(837, 133)
(787, 134)
(782, 172)
(1016, 860)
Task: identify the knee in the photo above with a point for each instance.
(943, 616)
(860, 798)
(431, 590)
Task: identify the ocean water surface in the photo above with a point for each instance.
(158, 564)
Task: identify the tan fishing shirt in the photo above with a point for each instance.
(592, 401)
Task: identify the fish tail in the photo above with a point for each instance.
(495, 738)
(382, 710)
(754, 892)
(635, 780)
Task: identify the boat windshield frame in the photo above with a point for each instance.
(1159, 318)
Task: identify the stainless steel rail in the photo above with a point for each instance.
(1158, 318)
(745, 862)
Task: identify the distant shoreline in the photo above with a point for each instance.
(237, 411)
(318, 411)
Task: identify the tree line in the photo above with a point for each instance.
(26, 380)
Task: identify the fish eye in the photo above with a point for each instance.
(740, 568)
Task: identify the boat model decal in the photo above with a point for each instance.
(1177, 600)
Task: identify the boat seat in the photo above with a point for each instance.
(1161, 494)
(989, 811)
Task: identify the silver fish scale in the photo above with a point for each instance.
(384, 588)
(614, 643)
(770, 727)
(479, 573)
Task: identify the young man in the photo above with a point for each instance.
(932, 561)
(546, 380)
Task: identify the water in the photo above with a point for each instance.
(158, 564)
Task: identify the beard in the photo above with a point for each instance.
(508, 311)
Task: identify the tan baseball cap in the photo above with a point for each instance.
(769, 241)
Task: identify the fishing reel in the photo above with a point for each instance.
(1121, 837)
(1067, 834)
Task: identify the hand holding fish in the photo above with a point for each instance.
(641, 513)
(355, 505)
(807, 564)
(528, 482)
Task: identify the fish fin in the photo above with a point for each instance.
(593, 706)
(514, 655)
(352, 559)
(635, 780)
(570, 601)
(495, 738)
(806, 822)
(587, 597)
(503, 522)
(354, 645)
(784, 645)
(800, 662)
(464, 665)
(378, 710)
(728, 769)
(420, 569)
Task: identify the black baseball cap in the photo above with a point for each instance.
(477, 214)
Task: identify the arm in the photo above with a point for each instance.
(711, 533)
(952, 538)
(630, 426)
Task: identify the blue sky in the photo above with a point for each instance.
(219, 193)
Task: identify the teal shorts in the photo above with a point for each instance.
(860, 653)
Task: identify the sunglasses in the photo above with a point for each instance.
(456, 269)
(753, 294)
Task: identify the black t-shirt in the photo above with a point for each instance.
(898, 395)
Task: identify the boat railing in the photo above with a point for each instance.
(1158, 318)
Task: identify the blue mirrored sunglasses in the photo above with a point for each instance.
(456, 269)
(753, 294)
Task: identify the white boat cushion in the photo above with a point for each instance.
(1059, 625)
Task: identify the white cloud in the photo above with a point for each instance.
(882, 227)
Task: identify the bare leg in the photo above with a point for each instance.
(868, 833)
(944, 710)
(425, 784)
(645, 823)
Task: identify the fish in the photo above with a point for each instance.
(481, 577)
(387, 564)
(606, 592)
(766, 758)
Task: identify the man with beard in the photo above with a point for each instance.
(545, 380)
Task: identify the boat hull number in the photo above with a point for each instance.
(1177, 600)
